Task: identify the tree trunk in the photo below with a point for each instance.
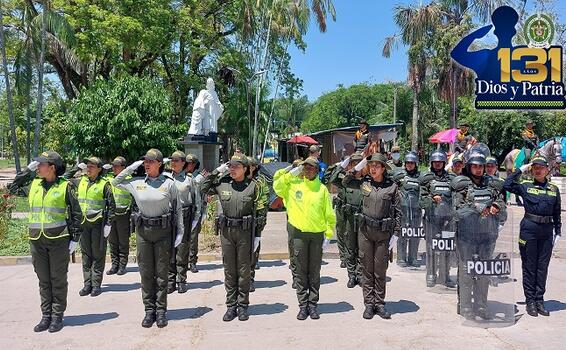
(39, 107)
(9, 95)
(414, 132)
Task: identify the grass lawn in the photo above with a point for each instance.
(22, 205)
(9, 163)
(16, 240)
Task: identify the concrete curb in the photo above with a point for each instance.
(26, 260)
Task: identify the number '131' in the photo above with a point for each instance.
(536, 65)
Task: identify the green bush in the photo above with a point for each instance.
(15, 242)
(123, 116)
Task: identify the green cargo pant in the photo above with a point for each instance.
(93, 249)
(341, 234)
(236, 257)
(374, 260)
(308, 258)
(178, 268)
(193, 243)
(154, 252)
(50, 258)
(351, 242)
(119, 240)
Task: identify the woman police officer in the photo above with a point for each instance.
(158, 218)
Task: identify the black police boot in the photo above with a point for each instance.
(368, 312)
(484, 314)
(352, 282)
(193, 268)
(161, 320)
(121, 271)
(243, 314)
(313, 312)
(382, 312)
(402, 263)
(56, 324)
(113, 270)
(541, 310)
(430, 281)
(450, 283)
(303, 314)
(467, 313)
(230, 314)
(171, 287)
(182, 287)
(85, 291)
(532, 309)
(43, 325)
(252, 286)
(96, 291)
(149, 319)
(342, 264)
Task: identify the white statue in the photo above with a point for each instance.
(207, 109)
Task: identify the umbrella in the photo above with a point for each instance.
(444, 136)
(303, 139)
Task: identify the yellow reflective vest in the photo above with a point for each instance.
(47, 210)
(308, 203)
(91, 198)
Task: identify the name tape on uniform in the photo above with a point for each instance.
(412, 232)
(492, 267)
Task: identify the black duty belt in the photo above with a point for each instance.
(384, 224)
(245, 222)
(539, 219)
(163, 221)
(349, 208)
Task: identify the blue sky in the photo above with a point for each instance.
(350, 51)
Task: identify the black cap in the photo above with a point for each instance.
(51, 157)
(378, 157)
(539, 160)
(153, 154)
(179, 155)
(94, 160)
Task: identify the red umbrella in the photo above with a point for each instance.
(303, 139)
(444, 136)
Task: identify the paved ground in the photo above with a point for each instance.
(422, 319)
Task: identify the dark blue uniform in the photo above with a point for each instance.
(542, 217)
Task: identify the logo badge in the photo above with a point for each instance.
(515, 77)
(539, 31)
(299, 195)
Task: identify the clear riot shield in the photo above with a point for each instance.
(487, 257)
(441, 271)
(412, 230)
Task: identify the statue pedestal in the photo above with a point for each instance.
(206, 150)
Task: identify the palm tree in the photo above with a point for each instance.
(414, 23)
(39, 106)
(9, 94)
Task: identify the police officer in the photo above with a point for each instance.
(457, 165)
(262, 209)
(311, 223)
(530, 140)
(408, 182)
(436, 200)
(379, 228)
(314, 152)
(239, 199)
(193, 168)
(491, 166)
(395, 163)
(480, 206)
(54, 230)
(190, 202)
(332, 176)
(542, 205)
(362, 137)
(119, 237)
(158, 222)
(463, 138)
(97, 204)
(350, 205)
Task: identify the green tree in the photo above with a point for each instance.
(124, 116)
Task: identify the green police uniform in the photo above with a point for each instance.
(350, 207)
(198, 178)
(380, 219)
(119, 237)
(338, 202)
(190, 201)
(54, 219)
(238, 200)
(158, 220)
(261, 218)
